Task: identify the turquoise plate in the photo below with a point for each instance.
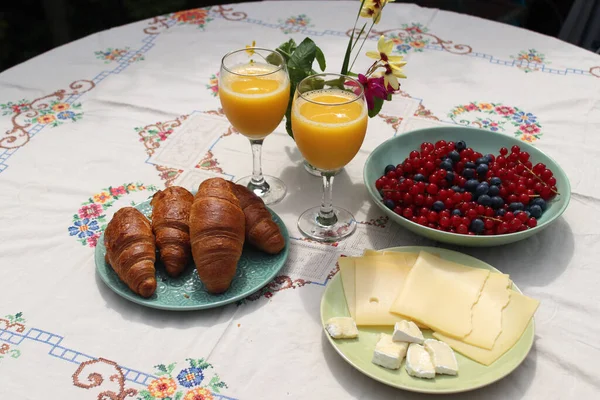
(255, 269)
(396, 149)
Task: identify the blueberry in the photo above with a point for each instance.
(516, 206)
(450, 176)
(438, 206)
(494, 191)
(484, 200)
(482, 160)
(538, 201)
(470, 164)
(477, 225)
(419, 178)
(481, 189)
(454, 156)
(456, 211)
(457, 189)
(490, 156)
(446, 164)
(469, 173)
(390, 168)
(495, 181)
(536, 211)
(500, 212)
(497, 202)
(471, 185)
(460, 145)
(482, 169)
(389, 203)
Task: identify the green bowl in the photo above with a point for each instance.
(396, 149)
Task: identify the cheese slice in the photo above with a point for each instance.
(346, 265)
(408, 258)
(387, 353)
(442, 357)
(440, 294)
(377, 283)
(341, 328)
(515, 318)
(487, 313)
(418, 362)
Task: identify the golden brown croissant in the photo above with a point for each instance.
(170, 218)
(217, 234)
(261, 231)
(131, 251)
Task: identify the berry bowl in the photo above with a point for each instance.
(432, 182)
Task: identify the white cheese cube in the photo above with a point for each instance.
(407, 331)
(418, 362)
(341, 328)
(442, 357)
(389, 354)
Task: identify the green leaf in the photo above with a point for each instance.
(321, 59)
(304, 55)
(377, 104)
(171, 367)
(161, 368)
(193, 363)
(178, 395)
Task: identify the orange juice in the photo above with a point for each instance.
(329, 134)
(254, 98)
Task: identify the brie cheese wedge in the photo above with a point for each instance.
(442, 357)
(389, 354)
(341, 328)
(407, 331)
(418, 362)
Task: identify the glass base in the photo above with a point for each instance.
(272, 192)
(344, 227)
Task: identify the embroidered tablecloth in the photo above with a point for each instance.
(107, 120)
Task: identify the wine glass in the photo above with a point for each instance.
(329, 122)
(254, 89)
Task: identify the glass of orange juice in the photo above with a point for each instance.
(254, 89)
(329, 121)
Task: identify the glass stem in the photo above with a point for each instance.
(327, 216)
(257, 177)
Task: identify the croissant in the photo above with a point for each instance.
(170, 219)
(131, 251)
(261, 231)
(217, 227)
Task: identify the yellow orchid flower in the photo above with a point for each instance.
(391, 75)
(249, 48)
(384, 53)
(372, 9)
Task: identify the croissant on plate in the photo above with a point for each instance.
(217, 226)
(170, 224)
(131, 251)
(261, 231)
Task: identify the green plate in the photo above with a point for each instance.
(255, 269)
(471, 375)
(396, 149)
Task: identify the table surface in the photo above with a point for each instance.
(107, 120)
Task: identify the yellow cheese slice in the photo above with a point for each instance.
(441, 294)
(407, 258)
(346, 265)
(377, 282)
(515, 318)
(487, 312)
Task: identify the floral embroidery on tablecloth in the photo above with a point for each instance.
(213, 84)
(97, 379)
(530, 60)
(16, 323)
(379, 222)
(295, 23)
(109, 55)
(190, 383)
(197, 16)
(497, 117)
(53, 114)
(410, 38)
(90, 220)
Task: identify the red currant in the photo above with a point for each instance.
(462, 229)
(445, 222)
(503, 151)
(532, 222)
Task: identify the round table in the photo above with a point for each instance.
(107, 120)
